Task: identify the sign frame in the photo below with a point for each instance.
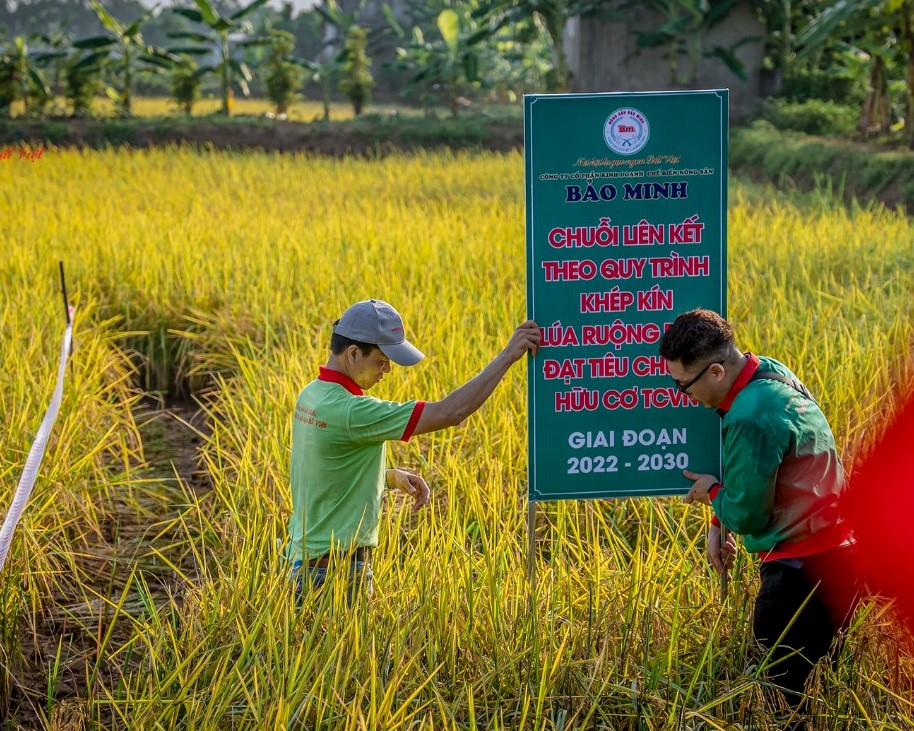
(631, 145)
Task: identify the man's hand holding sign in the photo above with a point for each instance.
(699, 492)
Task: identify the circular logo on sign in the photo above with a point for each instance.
(626, 131)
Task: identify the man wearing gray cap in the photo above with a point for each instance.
(338, 471)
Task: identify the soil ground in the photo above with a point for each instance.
(71, 625)
(372, 137)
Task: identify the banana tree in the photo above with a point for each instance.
(82, 79)
(217, 44)
(128, 54)
(21, 78)
(326, 69)
(552, 15)
(324, 73)
(337, 22)
(681, 32)
(453, 62)
(870, 23)
(56, 48)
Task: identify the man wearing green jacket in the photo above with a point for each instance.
(780, 490)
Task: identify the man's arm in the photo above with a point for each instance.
(752, 458)
(459, 404)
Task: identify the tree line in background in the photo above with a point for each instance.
(859, 53)
(845, 65)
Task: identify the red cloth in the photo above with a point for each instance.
(880, 507)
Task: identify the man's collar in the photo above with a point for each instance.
(745, 375)
(332, 376)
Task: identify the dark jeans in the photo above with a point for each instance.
(359, 579)
(835, 579)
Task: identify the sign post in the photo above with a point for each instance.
(626, 228)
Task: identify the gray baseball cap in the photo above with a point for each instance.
(377, 323)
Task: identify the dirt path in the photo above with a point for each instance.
(75, 624)
(171, 436)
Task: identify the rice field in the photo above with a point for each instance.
(131, 600)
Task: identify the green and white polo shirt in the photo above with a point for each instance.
(338, 464)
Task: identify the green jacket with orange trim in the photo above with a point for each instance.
(782, 476)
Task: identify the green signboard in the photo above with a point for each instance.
(626, 228)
